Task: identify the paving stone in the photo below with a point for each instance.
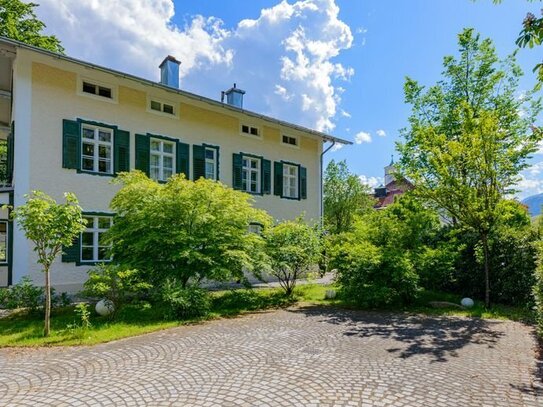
(297, 357)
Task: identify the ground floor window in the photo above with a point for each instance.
(3, 241)
(93, 247)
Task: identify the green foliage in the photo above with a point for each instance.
(185, 230)
(538, 288)
(378, 262)
(293, 248)
(466, 143)
(345, 197)
(18, 21)
(49, 226)
(80, 327)
(184, 302)
(22, 295)
(116, 283)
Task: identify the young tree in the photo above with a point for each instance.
(345, 197)
(185, 230)
(50, 226)
(293, 247)
(469, 137)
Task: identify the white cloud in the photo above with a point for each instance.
(529, 186)
(345, 114)
(362, 137)
(282, 59)
(381, 133)
(372, 182)
(337, 147)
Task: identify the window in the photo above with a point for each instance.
(290, 181)
(162, 107)
(93, 248)
(3, 241)
(98, 90)
(250, 130)
(250, 175)
(292, 141)
(255, 228)
(162, 159)
(211, 163)
(97, 145)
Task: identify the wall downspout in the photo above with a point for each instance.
(322, 183)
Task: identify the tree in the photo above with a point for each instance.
(184, 230)
(345, 197)
(18, 21)
(469, 137)
(50, 226)
(293, 248)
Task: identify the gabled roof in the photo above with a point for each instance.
(324, 136)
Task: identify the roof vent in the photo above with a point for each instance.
(169, 72)
(234, 96)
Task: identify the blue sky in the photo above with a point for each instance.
(334, 65)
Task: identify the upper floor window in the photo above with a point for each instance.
(96, 151)
(250, 174)
(250, 130)
(290, 140)
(93, 247)
(211, 163)
(98, 90)
(290, 181)
(162, 155)
(158, 106)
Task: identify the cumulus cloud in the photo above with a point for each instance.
(381, 133)
(337, 147)
(284, 59)
(372, 182)
(362, 137)
(528, 185)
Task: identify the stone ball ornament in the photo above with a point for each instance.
(467, 302)
(105, 307)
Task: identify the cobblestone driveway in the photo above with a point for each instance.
(300, 357)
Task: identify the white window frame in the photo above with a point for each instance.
(161, 154)
(96, 145)
(5, 243)
(247, 170)
(96, 232)
(163, 102)
(213, 162)
(114, 90)
(297, 138)
(288, 191)
(255, 228)
(249, 134)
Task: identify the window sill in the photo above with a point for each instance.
(101, 174)
(91, 263)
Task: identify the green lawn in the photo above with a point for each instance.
(23, 329)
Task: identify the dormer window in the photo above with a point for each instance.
(250, 130)
(94, 89)
(290, 140)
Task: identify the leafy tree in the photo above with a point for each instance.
(184, 230)
(345, 197)
(293, 248)
(468, 141)
(19, 22)
(50, 226)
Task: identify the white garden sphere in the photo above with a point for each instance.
(330, 294)
(467, 302)
(104, 307)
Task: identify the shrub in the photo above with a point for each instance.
(115, 283)
(538, 288)
(22, 295)
(184, 302)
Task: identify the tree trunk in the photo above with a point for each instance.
(484, 238)
(47, 307)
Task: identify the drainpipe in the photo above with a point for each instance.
(322, 183)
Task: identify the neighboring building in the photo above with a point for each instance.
(386, 194)
(67, 125)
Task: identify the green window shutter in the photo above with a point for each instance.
(143, 151)
(198, 162)
(218, 162)
(278, 178)
(72, 254)
(303, 183)
(182, 159)
(237, 166)
(71, 144)
(11, 154)
(266, 176)
(121, 147)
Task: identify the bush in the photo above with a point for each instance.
(184, 303)
(538, 288)
(22, 295)
(115, 283)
